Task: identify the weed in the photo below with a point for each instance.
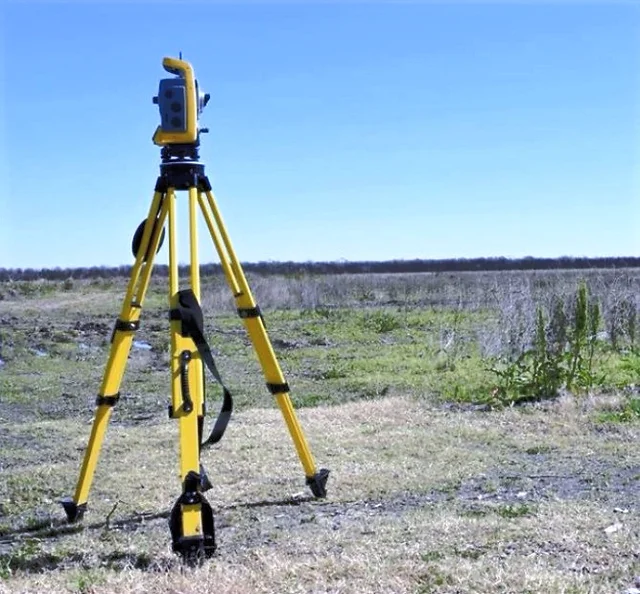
(323, 312)
(332, 373)
(451, 340)
(86, 581)
(561, 355)
(380, 322)
(433, 578)
(517, 510)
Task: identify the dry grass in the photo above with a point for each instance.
(419, 501)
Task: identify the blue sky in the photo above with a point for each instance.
(339, 130)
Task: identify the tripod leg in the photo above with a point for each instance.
(195, 287)
(121, 340)
(254, 324)
(191, 521)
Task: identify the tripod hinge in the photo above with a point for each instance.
(125, 326)
(278, 388)
(108, 400)
(162, 184)
(204, 184)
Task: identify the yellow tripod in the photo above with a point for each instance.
(191, 521)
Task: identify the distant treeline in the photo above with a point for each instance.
(340, 267)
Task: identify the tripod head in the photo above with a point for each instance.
(180, 103)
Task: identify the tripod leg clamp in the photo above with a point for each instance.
(124, 326)
(278, 388)
(108, 400)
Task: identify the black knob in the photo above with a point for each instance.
(155, 101)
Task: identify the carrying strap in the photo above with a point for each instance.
(190, 314)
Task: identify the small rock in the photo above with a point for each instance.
(613, 528)
(521, 494)
(632, 591)
(141, 344)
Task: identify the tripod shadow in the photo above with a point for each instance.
(270, 503)
(22, 554)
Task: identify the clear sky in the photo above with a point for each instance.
(339, 130)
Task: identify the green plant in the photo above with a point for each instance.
(578, 335)
(547, 374)
(535, 374)
(380, 322)
(562, 354)
(516, 510)
(512, 379)
(5, 569)
(582, 343)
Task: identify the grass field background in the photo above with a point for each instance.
(457, 465)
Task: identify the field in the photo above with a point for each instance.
(481, 429)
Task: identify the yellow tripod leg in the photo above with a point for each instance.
(254, 324)
(191, 519)
(121, 340)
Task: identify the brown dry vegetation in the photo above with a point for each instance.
(425, 494)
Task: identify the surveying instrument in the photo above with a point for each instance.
(191, 524)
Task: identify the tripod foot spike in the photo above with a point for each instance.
(318, 483)
(74, 511)
(194, 550)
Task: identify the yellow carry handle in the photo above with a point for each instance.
(178, 103)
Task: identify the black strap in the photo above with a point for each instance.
(190, 313)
